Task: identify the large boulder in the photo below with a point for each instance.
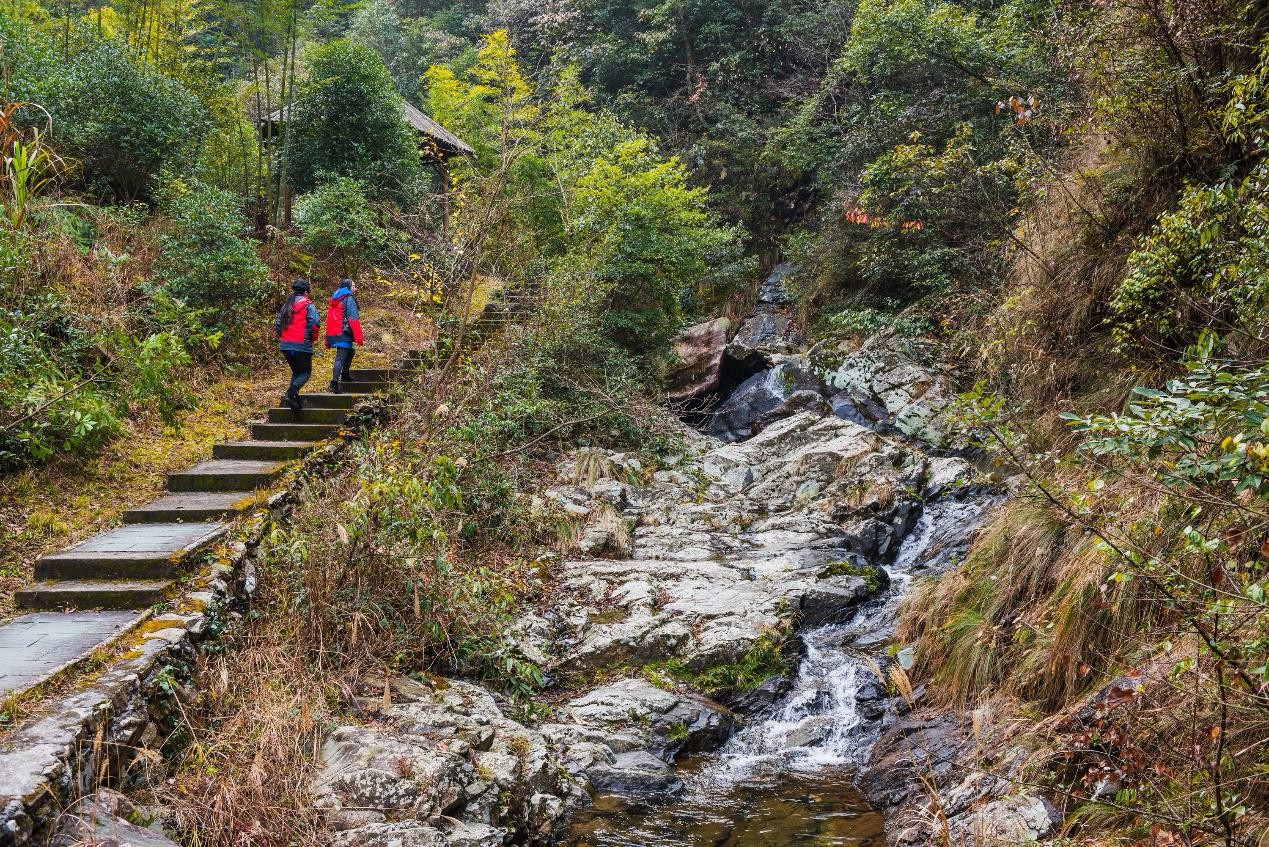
(698, 352)
(762, 393)
(437, 764)
(894, 383)
(622, 737)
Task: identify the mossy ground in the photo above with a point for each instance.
(46, 508)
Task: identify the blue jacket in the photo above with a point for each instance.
(345, 337)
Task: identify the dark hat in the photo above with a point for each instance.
(300, 285)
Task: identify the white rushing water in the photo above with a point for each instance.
(823, 721)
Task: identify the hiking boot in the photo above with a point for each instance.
(334, 387)
(291, 402)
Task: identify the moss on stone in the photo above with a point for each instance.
(763, 660)
(871, 574)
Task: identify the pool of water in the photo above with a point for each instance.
(772, 809)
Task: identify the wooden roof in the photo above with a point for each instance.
(446, 140)
(449, 143)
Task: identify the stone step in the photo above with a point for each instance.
(293, 431)
(225, 475)
(264, 451)
(192, 506)
(72, 566)
(318, 416)
(92, 594)
(359, 387)
(326, 400)
(371, 374)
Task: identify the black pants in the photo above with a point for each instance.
(343, 361)
(301, 369)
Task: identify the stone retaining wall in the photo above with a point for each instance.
(87, 740)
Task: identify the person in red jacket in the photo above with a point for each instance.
(297, 324)
(343, 331)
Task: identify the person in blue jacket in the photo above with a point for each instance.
(297, 324)
(343, 331)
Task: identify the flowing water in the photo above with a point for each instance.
(786, 780)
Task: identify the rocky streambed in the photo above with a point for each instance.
(721, 640)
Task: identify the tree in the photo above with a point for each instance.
(123, 122)
(204, 262)
(347, 121)
(646, 239)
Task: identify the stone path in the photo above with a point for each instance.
(88, 594)
(35, 646)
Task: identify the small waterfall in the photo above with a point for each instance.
(828, 717)
(786, 780)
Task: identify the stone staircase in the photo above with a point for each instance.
(136, 565)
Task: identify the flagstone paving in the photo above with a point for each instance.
(33, 647)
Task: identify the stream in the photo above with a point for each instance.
(786, 780)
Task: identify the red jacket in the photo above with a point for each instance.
(343, 327)
(295, 328)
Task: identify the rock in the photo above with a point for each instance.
(1019, 819)
(400, 834)
(100, 820)
(765, 333)
(834, 600)
(460, 834)
(622, 737)
(916, 746)
(773, 291)
(893, 382)
(760, 394)
(636, 772)
(759, 700)
(799, 401)
(698, 352)
(947, 476)
(442, 751)
(859, 408)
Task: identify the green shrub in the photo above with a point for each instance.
(1205, 264)
(45, 409)
(204, 262)
(124, 123)
(339, 224)
(347, 121)
(645, 240)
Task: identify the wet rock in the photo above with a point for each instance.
(698, 352)
(809, 732)
(766, 333)
(622, 737)
(834, 600)
(915, 746)
(636, 772)
(799, 401)
(773, 290)
(759, 700)
(948, 477)
(760, 394)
